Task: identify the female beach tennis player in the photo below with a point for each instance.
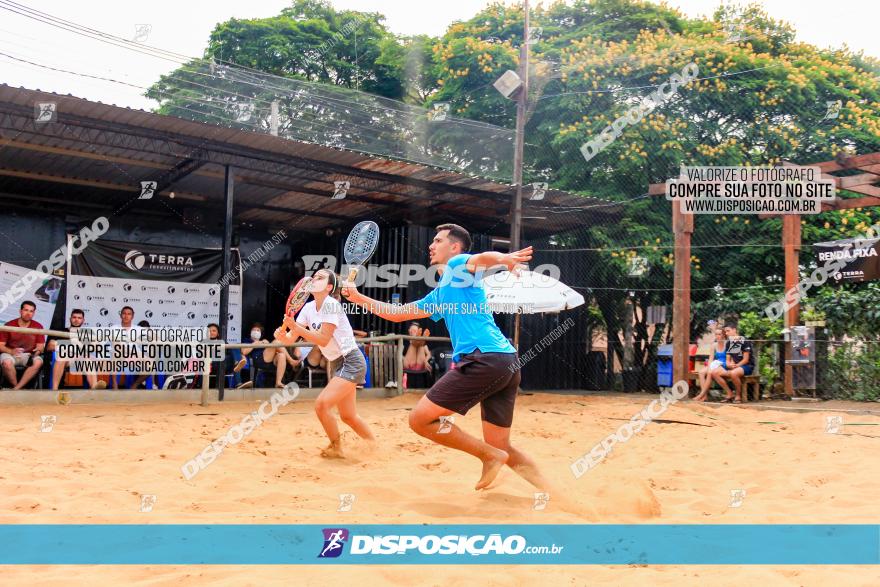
(323, 322)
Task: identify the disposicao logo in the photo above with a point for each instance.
(336, 538)
(334, 541)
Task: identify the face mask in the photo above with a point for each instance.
(255, 334)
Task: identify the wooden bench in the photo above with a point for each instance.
(750, 383)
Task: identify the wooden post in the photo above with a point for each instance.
(400, 365)
(791, 245)
(205, 377)
(682, 228)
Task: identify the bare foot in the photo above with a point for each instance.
(491, 466)
(333, 451)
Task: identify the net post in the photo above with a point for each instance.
(205, 376)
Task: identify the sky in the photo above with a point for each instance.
(184, 27)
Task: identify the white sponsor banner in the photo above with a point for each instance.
(44, 292)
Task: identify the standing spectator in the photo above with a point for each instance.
(77, 317)
(22, 350)
(740, 362)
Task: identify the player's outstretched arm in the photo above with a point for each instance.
(490, 259)
(394, 313)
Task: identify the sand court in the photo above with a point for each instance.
(98, 461)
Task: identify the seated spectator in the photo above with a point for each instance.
(77, 317)
(265, 359)
(417, 353)
(714, 363)
(22, 350)
(740, 362)
(416, 367)
(233, 360)
(126, 317)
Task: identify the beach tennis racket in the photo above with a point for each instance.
(298, 296)
(360, 246)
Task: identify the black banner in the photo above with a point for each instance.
(106, 258)
(164, 285)
(862, 263)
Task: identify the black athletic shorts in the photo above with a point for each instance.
(488, 379)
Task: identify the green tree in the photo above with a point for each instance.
(596, 60)
(308, 41)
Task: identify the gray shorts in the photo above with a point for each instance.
(351, 367)
(22, 360)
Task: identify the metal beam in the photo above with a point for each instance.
(86, 182)
(228, 196)
(178, 172)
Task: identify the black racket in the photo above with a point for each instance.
(360, 246)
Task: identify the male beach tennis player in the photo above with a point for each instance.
(487, 372)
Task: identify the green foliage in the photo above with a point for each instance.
(852, 310)
(309, 40)
(767, 367)
(756, 326)
(853, 372)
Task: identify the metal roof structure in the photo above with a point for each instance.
(92, 156)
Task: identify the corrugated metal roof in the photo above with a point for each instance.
(114, 148)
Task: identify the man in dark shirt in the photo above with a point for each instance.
(22, 350)
(77, 318)
(740, 363)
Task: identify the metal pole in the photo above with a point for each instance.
(273, 119)
(224, 270)
(521, 105)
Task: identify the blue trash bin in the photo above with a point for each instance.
(664, 365)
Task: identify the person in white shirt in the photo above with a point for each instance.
(323, 323)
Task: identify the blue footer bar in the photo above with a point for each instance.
(284, 544)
